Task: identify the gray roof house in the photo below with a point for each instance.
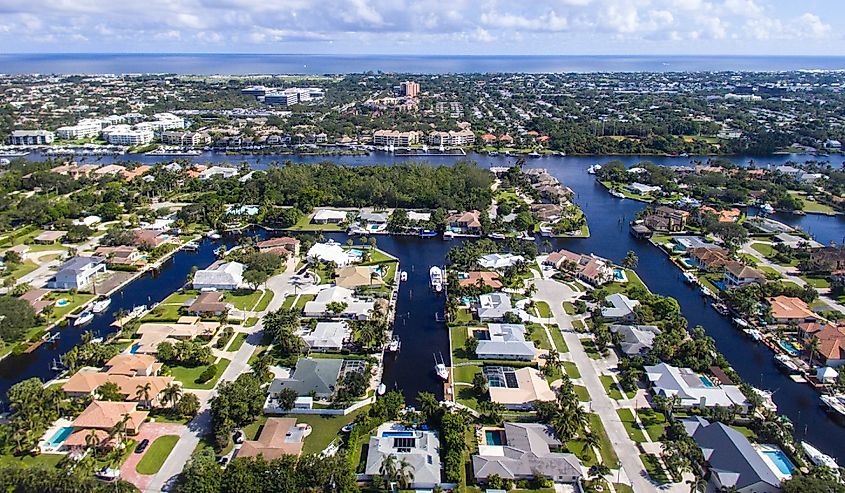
(226, 275)
(636, 339)
(506, 341)
(77, 272)
(327, 336)
(732, 461)
(621, 308)
(311, 375)
(492, 307)
(525, 451)
(421, 449)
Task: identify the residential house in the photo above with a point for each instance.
(209, 303)
(77, 273)
(522, 452)
(283, 245)
(667, 219)
(636, 339)
(517, 389)
(419, 448)
(686, 243)
(353, 307)
(492, 307)
(327, 336)
(49, 237)
(224, 172)
(465, 222)
(354, 276)
(710, 259)
(641, 189)
(621, 308)
(143, 365)
(827, 259)
(220, 276)
(120, 256)
(786, 309)
(311, 376)
(99, 418)
(831, 342)
(279, 437)
(731, 215)
(149, 238)
(500, 261)
(328, 216)
(692, 389)
(86, 382)
(547, 212)
(738, 274)
(489, 279)
(186, 328)
(592, 269)
(35, 299)
(503, 342)
(331, 252)
(734, 463)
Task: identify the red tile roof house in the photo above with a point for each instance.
(831, 337)
(149, 237)
(283, 246)
(465, 222)
(710, 259)
(489, 279)
(737, 274)
(786, 309)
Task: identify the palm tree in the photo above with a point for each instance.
(428, 404)
(697, 484)
(813, 348)
(119, 429)
(405, 474)
(388, 467)
(171, 394)
(144, 391)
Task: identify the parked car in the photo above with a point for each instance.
(239, 436)
(223, 460)
(142, 446)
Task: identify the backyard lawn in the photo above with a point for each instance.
(538, 335)
(155, 456)
(324, 429)
(41, 460)
(188, 375)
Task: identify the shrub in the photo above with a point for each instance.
(207, 374)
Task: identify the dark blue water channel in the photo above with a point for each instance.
(422, 336)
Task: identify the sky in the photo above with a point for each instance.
(421, 27)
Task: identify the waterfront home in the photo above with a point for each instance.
(328, 216)
(77, 273)
(315, 377)
(827, 259)
(710, 259)
(354, 276)
(485, 278)
(331, 252)
(133, 365)
(149, 238)
(419, 448)
(221, 171)
(589, 268)
(220, 276)
(85, 383)
(685, 243)
(667, 219)
(123, 255)
(186, 328)
(492, 307)
(283, 245)
(730, 458)
(35, 299)
(517, 389)
(503, 341)
(636, 340)
(99, 419)
(49, 237)
(547, 212)
(353, 307)
(499, 261)
(621, 308)
(691, 388)
(374, 219)
(819, 254)
(738, 274)
(831, 342)
(731, 215)
(327, 336)
(465, 222)
(518, 451)
(786, 309)
(641, 189)
(209, 303)
(279, 437)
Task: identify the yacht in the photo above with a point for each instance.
(448, 235)
(786, 364)
(425, 149)
(594, 169)
(214, 235)
(835, 403)
(493, 153)
(740, 322)
(706, 292)
(721, 308)
(83, 318)
(497, 236)
(403, 276)
(394, 346)
(754, 334)
(100, 306)
(617, 194)
(525, 237)
(440, 368)
(767, 208)
(690, 277)
(382, 388)
(427, 233)
(137, 311)
(818, 457)
(191, 246)
(436, 275)
(533, 154)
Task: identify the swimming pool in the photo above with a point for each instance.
(63, 302)
(788, 347)
(494, 437)
(688, 262)
(619, 275)
(780, 460)
(134, 349)
(706, 382)
(60, 436)
(397, 433)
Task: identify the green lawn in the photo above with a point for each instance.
(590, 348)
(610, 387)
(465, 373)
(459, 339)
(747, 432)
(303, 299)
(583, 394)
(180, 298)
(189, 375)
(654, 469)
(324, 429)
(812, 206)
(816, 281)
(41, 460)
(243, 299)
(582, 451)
(542, 309)
(264, 301)
(288, 303)
(305, 224)
(163, 313)
(251, 321)
(557, 338)
(622, 488)
(22, 269)
(156, 454)
(654, 423)
(541, 340)
(769, 252)
(608, 455)
(571, 369)
(578, 325)
(569, 308)
(634, 431)
(237, 342)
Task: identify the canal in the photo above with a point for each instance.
(422, 336)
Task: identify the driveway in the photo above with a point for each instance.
(150, 431)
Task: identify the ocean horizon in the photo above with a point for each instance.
(305, 64)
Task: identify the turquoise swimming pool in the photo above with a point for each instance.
(619, 274)
(706, 382)
(494, 437)
(63, 302)
(134, 349)
(788, 347)
(60, 436)
(780, 460)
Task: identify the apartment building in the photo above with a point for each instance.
(31, 137)
(395, 138)
(84, 129)
(409, 88)
(185, 139)
(452, 138)
(128, 136)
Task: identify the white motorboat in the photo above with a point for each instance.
(740, 322)
(214, 235)
(436, 276)
(403, 276)
(448, 235)
(617, 194)
(818, 457)
(440, 368)
(706, 292)
(767, 208)
(766, 397)
(382, 388)
(690, 278)
(786, 363)
(533, 154)
(525, 237)
(835, 403)
(394, 345)
(100, 306)
(721, 308)
(191, 246)
(137, 311)
(594, 169)
(497, 236)
(754, 334)
(83, 318)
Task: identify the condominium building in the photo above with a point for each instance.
(31, 137)
(409, 88)
(82, 130)
(165, 121)
(293, 95)
(395, 138)
(128, 136)
(452, 138)
(185, 139)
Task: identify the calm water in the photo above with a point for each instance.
(422, 337)
(238, 64)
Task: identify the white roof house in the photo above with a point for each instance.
(421, 449)
(499, 260)
(493, 306)
(636, 339)
(228, 275)
(641, 188)
(692, 389)
(224, 171)
(621, 307)
(330, 251)
(329, 216)
(506, 341)
(328, 336)
(355, 307)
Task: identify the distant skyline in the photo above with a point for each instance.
(485, 27)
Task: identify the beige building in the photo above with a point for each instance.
(409, 88)
(395, 138)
